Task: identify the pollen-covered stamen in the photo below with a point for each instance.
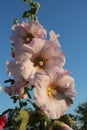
(51, 91)
(28, 38)
(39, 62)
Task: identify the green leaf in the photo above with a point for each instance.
(12, 81)
(16, 20)
(15, 98)
(26, 14)
(6, 111)
(57, 125)
(67, 120)
(23, 118)
(27, 1)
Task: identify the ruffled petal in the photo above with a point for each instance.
(25, 67)
(13, 69)
(66, 86)
(35, 28)
(35, 46)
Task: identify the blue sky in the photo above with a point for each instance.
(66, 17)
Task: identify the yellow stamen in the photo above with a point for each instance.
(39, 62)
(51, 91)
(28, 38)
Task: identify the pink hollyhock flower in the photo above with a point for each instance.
(20, 70)
(35, 28)
(50, 54)
(2, 122)
(45, 57)
(18, 87)
(30, 44)
(27, 42)
(24, 33)
(41, 58)
(54, 94)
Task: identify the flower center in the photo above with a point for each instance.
(39, 62)
(51, 91)
(28, 38)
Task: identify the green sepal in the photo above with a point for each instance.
(57, 125)
(16, 20)
(67, 120)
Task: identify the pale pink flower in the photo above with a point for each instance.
(17, 88)
(14, 69)
(47, 55)
(20, 70)
(27, 42)
(35, 28)
(44, 55)
(54, 94)
(30, 44)
(24, 33)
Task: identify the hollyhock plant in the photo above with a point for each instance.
(37, 65)
(54, 94)
(2, 122)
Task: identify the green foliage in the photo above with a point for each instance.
(32, 11)
(22, 119)
(16, 20)
(57, 125)
(25, 118)
(81, 114)
(67, 120)
(9, 80)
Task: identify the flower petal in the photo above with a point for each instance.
(66, 86)
(35, 28)
(12, 69)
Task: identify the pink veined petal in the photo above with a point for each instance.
(12, 69)
(8, 90)
(56, 73)
(18, 48)
(51, 49)
(17, 88)
(54, 62)
(66, 86)
(32, 26)
(54, 36)
(25, 67)
(35, 46)
(19, 30)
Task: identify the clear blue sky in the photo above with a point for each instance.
(66, 17)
